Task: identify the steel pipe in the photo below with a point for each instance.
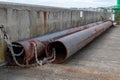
(41, 43)
(68, 45)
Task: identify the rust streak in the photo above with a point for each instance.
(45, 18)
(38, 14)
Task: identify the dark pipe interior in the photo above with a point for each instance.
(16, 50)
(60, 49)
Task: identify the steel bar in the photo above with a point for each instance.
(68, 45)
(41, 42)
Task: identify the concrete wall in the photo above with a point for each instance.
(26, 21)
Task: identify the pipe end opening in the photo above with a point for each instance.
(60, 51)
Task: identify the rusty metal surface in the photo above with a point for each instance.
(28, 54)
(68, 45)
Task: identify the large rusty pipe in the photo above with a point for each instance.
(68, 45)
(41, 43)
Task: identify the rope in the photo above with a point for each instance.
(12, 52)
(50, 57)
(45, 60)
(16, 45)
(36, 56)
(3, 64)
(9, 44)
(11, 47)
(54, 57)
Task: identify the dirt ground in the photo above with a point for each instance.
(99, 60)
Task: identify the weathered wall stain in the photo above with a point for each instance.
(45, 20)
